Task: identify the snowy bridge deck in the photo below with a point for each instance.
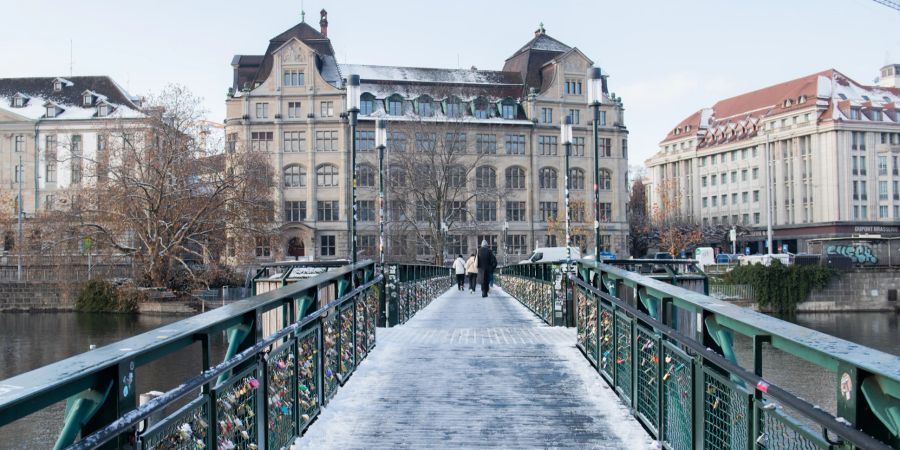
(471, 372)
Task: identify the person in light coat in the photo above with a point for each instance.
(472, 271)
(459, 267)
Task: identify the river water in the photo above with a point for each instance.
(32, 340)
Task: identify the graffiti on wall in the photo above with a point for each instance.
(859, 253)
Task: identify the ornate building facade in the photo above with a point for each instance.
(290, 102)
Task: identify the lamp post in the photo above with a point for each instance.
(595, 95)
(565, 135)
(381, 143)
(353, 109)
(768, 197)
(506, 243)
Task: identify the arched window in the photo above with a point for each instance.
(294, 176)
(515, 177)
(394, 105)
(548, 178)
(425, 106)
(606, 179)
(456, 177)
(485, 177)
(296, 247)
(366, 104)
(327, 175)
(576, 179)
(365, 175)
(453, 107)
(481, 108)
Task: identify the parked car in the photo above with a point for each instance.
(662, 255)
(551, 254)
(727, 258)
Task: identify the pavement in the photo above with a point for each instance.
(472, 372)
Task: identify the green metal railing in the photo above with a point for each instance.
(667, 352)
(410, 288)
(534, 285)
(272, 384)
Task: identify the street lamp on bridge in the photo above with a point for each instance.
(353, 110)
(565, 135)
(595, 96)
(381, 143)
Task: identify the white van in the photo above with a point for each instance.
(704, 256)
(551, 254)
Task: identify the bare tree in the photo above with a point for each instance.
(640, 229)
(159, 190)
(675, 231)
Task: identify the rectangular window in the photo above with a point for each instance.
(724, 178)
(547, 115)
(605, 147)
(576, 116)
(365, 140)
(395, 107)
(50, 157)
(426, 142)
(882, 190)
(261, 140)
(327, 245)
(578, 146)
(294, 78)
(486, 144)
(547, 145)
(882, 165)
(508, 110)
(715, 200)
(712, 179)
(294, 110)
(294, 141)
(548, 210)
(744, 175)
(734, 198)
(702, 161)
(231, 142)
(515, 144)
(455, 143)
(19, 143)
(603, 118)
(606, 212)
(328, 211)
(883, 212)
(756, 173)
(262, 248)
(515, 211)
(262, 110)
(896, 190)
(366, 210)
(326, 109)
(895, 168)
(486, 211)
(396, 141)
(491, 240)
(734, 176)
(326, 141)
(745, 197)
(516, 244)
(294, 211)
(625, 148)
(76, 162)
(704, 202)
(702, 181)
(456, 211)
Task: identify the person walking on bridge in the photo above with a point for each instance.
(486, 263)
(471, 271)
(459, 268)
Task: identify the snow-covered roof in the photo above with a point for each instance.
(70, 99)
(430, 75)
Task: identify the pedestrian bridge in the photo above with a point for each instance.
(647, 364)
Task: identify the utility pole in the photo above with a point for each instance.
(19, 203)
(768, 196)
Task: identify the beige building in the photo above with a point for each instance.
(290, 102)
(55, 127)
(834, 146)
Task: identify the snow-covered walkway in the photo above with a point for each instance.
(475, 372)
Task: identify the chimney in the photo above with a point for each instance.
(540, 30)
(323, 23)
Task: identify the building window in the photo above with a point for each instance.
(756, 173)
(455, 143)
(744, 175)
(857, 140)
(327, 176)
(605, 147)
(454, 108)
(603, 118)
(515, 177)
(516, 244)
(547, 145)
(366, 104)
(704, 202)
(515, 211)
(576, 179)
(576, 212)
(262, 110)
(326, 141)
(606, 212)
(365, 176)
(426, 142)
(294, 176)
(294, 110)
(480, 108)
(550, 240)
(424, 211)
(365, 140)
(491, 240)
(485, 177)
(548, 210)
(576, 116)
(395, 105)
(547, 115)
(294, 141)
(745, 197)
(573, 87)
(624, 148)
(262, 247)
(486, 211)
(328, 211)
(326, 109)
(425, 106)
(548, 178)
(703, 181)
(19, 142)
(882, 165)
(515, 144)
(457, 245)
(882, 190)
(294, 78)
(327, 245)
(486, 144)
(396, 176)
(366, 210)
(605, 180)
(712, 179)
(715, 200)
(577, 146)
(76, 161)
(260, 140)
(396, 141)
(456, 211)
(294, 211)
(508, 110)
(457, 176)
(231, 142)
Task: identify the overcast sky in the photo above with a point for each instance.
(666, 58)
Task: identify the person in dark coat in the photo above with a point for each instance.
(487, 262)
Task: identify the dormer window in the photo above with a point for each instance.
(854, 113)
(801, 99)
(88, 99)
(51, 110)
(395, 105)
(480, 108)
(57, 86)
(19, 100)
(425, 106)
(103, 110)
(508, 109)
(366, 104)
(788, 103)
(876, 115)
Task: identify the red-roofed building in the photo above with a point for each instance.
(834, 153)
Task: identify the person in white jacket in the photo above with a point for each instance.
(459, 267)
